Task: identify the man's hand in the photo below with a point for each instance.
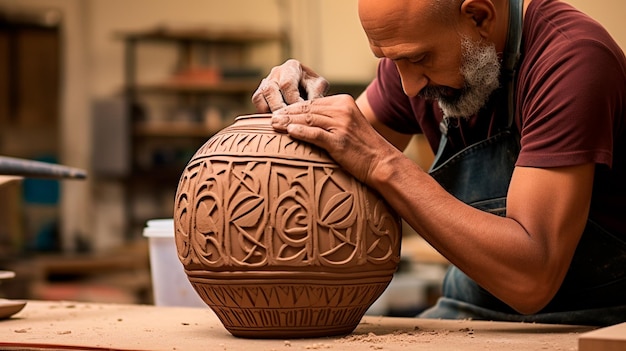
(336, 124)
(284, 84)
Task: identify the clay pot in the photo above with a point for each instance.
(277, 239)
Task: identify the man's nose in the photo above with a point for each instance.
(413, 78)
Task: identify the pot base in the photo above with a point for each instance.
(278, 308)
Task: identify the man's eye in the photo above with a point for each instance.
(418, 59)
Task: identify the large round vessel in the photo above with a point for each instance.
(277, 239)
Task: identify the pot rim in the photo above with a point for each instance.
(253, 116)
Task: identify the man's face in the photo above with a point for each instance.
(436, 59)
(480, 68)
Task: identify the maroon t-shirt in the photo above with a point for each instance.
(570, 101)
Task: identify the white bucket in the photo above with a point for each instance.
(169, 281)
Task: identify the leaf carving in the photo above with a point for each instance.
(248, 211)
(204, 221)
(337, 208)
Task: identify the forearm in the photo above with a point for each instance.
(496, 252)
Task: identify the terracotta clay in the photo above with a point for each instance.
(277, 239)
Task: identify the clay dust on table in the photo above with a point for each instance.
(403, 337)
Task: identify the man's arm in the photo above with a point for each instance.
(521, 258)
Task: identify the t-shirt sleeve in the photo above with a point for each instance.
(388, 101)
(569, 110)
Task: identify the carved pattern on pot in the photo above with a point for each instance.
(268, 227)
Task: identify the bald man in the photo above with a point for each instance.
(524, 104)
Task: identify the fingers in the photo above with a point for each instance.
(268, 97)
(274, 94)
(315, 136)
(259, 102)
(306, 127)
(282, 86)
(289, 92)
(315, 86)
(307, 113)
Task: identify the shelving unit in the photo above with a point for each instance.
(213, 79)
(30, 86)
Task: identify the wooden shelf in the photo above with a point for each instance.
(219, 87)
(172, 129)
(217, 35)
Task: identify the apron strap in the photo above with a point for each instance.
(512, 54)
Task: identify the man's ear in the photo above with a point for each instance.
(482, 14)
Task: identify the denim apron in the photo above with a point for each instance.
(594, 289)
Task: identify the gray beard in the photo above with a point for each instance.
(480, 67)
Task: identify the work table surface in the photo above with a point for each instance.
(88, 326)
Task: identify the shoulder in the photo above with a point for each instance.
(571, 87)
(558, 39)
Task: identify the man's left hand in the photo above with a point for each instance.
(336, 124)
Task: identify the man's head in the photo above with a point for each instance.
(443, 49)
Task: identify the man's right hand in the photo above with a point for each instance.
(286, 84)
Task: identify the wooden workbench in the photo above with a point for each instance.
(87, 326)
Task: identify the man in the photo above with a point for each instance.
(555, 251)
